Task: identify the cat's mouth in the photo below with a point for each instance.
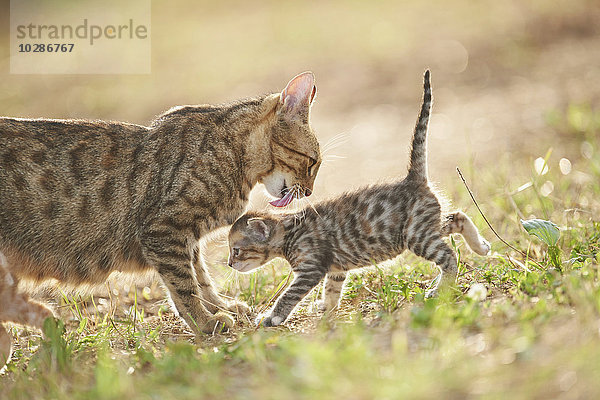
(288, 196)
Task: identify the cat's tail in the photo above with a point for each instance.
(417, 171)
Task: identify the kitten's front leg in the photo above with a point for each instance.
(334, 282)
(307, 276)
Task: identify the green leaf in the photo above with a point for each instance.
(547, 231)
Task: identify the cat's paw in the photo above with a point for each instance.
(483, 248)
(220, 322)
(239, 307)
(268, 320)
(431, 293)
(319, 306)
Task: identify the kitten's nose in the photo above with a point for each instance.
(307, 192)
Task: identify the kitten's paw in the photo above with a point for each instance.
(484, 247)
(431, 293)
(268, 320)
(322, 306)
(220, 322)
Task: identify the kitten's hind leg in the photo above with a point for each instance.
(307, 276)
(5, 346)
(25, 311)
(17, 306)
(433, 248)
(334, 282)
(459, 222)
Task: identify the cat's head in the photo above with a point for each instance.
(295, 152)
(254, 239)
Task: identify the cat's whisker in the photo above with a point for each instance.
(338, 136)
(298, 207)
(311, 205)
(335, 142)
(333, 157)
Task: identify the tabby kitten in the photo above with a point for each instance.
(354, 230)
(82, 199)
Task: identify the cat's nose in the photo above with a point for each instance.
(307, 192)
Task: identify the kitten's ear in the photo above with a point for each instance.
(259, 228)
(298, 94)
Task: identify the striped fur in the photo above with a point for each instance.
(81, 199)
(417, 171)
(356, 229)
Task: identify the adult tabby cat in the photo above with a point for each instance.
(356, 229)
(81, 199)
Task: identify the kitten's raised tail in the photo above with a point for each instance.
(417, 170)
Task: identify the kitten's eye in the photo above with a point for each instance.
(311, 164)
(235, 251)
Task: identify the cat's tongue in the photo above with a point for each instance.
(284, 201)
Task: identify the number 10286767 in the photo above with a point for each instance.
(46, 48)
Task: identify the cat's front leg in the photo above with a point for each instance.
(173, 261)
(307, 276)
(213, 301)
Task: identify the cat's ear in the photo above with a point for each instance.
(299, 94)
(259, 228)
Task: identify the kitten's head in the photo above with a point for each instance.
(253, 241)
(295, 152)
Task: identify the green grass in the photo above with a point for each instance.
(535, 335)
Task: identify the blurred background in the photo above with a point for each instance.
(500, 71)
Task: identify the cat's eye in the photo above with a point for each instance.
(235, 251)
(313, 162)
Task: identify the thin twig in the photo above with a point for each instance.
(488, 222)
